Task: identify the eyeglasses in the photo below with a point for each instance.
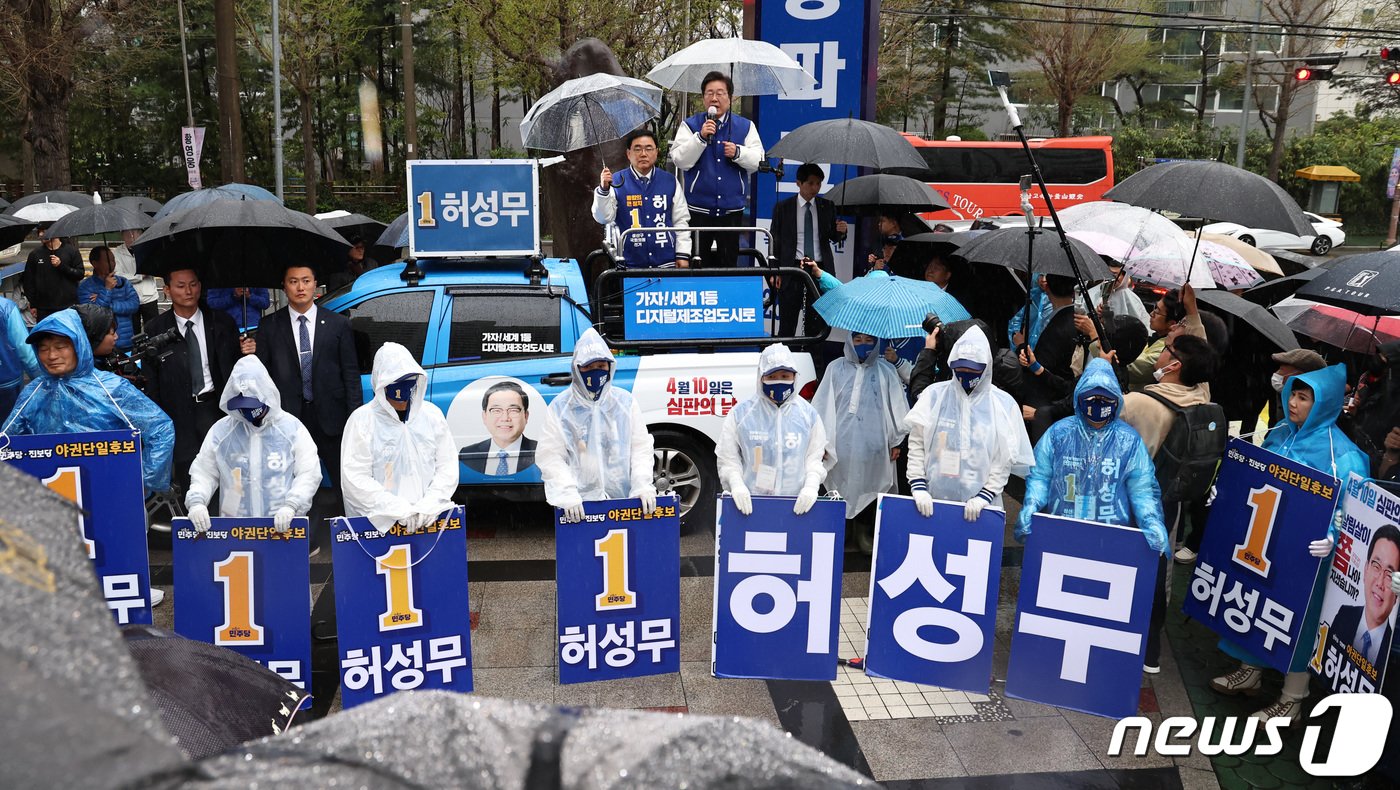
(644, 149)
(1376, 566)
(497, 411)
(715, 94)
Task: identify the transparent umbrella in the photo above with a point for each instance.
(586, 111)
(756, 67)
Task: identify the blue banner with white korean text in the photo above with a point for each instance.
(933, 595)
(693, 308)
(242, 585)
(402, 616)
(473, 208)
(1082, 616)
(777, 590)
(619, 591)
(99, 472)
(1254, 577)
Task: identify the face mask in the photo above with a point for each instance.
(255, 416)
(1160, 372)
(968, 374)
(777, 391)
(1098, 409)
(863, 350)
(401, 391)
(594, 381)
(1276, 381)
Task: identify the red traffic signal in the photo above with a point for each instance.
(1393, 78)
(1390, 52)
(1309, 74)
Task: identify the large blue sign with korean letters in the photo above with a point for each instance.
(777, 590)
(1254, 577)
(242, 585)
(933, 595)
(1082, 616)
(619, 591)
(401, 607)
(99, 472)
(473, 208)
(693, 308)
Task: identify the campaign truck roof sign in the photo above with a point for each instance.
(473, 208)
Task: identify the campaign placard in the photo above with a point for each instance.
(1082, 616)
(402, 616)
(1254, 577)
(777, 590)
(99, 472)
(619, 591)
(690, 308)
(933, 595)
(243, 585)
(473, 207)
(1357, 626)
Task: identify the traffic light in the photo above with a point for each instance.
(1310, 74)
(1393, 78)
(1390, 52)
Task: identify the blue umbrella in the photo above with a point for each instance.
(203, 197)
(888, 307)
(251, 190)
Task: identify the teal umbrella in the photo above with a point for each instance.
(888, 307)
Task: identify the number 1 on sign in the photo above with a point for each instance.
(67, 482)
(425, 207)
(1253, 552)
(397, 569)
(617, 593)
(235, 573)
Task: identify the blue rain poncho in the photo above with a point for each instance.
(774, 450)
(862, 405)
(1095, 474)
(1319, 443)
(392, 470)
(92, 400)
(257, 469)
(594, 449)
(960, 443)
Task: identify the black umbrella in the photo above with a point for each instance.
(52, 196)
(238, 243)
(393, 239)
(1368, 284)
(884, 194)
(1007, 247)
(352, 225)
(1294, 262)
(144, 205)
(4, 204)
(1213, 190)
(98, 219)
(1272, 292)
(848, 141)
(1256, 316)
(955, 240)
(13, 230)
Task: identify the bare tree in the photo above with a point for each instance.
(1288, 14)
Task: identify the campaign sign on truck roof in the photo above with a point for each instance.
(473, 208)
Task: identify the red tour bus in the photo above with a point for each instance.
(980, 179)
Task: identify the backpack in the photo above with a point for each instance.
(1189, 456)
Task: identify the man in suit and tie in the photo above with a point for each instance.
(1367, 628)
(310, 353)
(804, 227)
(188, 381)
(505, 411)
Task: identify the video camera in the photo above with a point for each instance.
(145, 348)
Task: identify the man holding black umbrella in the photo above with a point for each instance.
(804, 226)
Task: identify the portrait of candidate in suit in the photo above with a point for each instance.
(505, 415)
(1369, 627)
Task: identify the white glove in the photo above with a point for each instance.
(923, 500)
(742, 498)
(199, 517)
(973, 508)
(648, 502)
(409, 523)
(425, 519)
(282, 519)
(805, 499)
(1395, 582)
(1321, 548)
(573, 509)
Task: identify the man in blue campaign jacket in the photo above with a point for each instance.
(1093, 465)
(717, 151)
(648, 197)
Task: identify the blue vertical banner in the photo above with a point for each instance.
(99, 472)
(777, 590)
(473, 207)
(683, 308)
(402, 615)
(1254, 578)
(933, 595)
(1082, 616)
(619, 592)
(242, 585)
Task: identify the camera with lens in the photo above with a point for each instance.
(145, 348)
(931, 323)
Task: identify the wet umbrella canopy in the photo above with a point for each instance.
(1368, 284)
(74, 199)
(586, 111)
(201, 197)
(98, 219)
(139, 203)
(848, 141)
(756, 67)
(1266, 324)
(1007, 247)
(1213, 190)
(887, 307)
(351, 225)
(13, 230)
(883, 193)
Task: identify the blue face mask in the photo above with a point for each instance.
(968, 374)
(1098, 409)
(255, 416)
(401, 391)
(777, 391)
(594, 381)
(863, 350)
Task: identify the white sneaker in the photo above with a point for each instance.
(1185, 556)
(1244, 680)
(1152, 669)
(157, 597)
(1291, 709)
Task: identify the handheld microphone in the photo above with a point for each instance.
(711, 113)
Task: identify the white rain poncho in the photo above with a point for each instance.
(594, 449)
(862, 405)
(392, 469)
(775, 450)
(257, 469)
(961, 443)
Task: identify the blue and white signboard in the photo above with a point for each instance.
(777, 590)
(242, 585)
(933, 595)
(1254, 577)
(1082, 616)
(619, 591)
(473, 207)
(402, 615)
(693, 308)
(99, 472)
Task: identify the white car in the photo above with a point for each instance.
(1329, 235)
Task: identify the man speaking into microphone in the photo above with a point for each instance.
(716, 151)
